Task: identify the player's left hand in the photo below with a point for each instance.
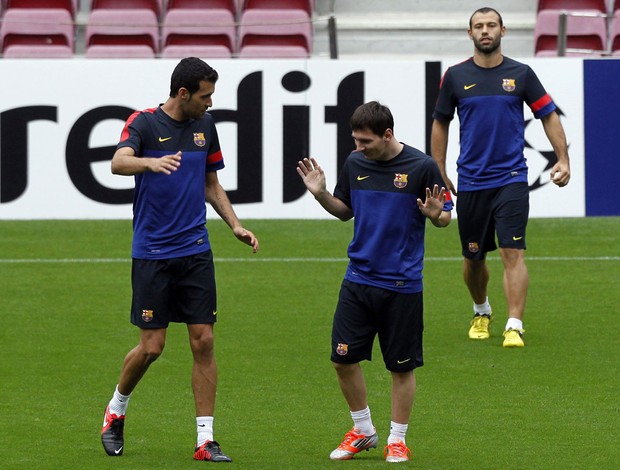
(560, 174)
(246, 237)
(432, 206)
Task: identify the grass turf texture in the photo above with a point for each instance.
(64, 330)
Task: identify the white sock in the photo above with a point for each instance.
(204, 427)
(515, 324)
(118, 403)
(397, 432)
(483, 308)
(363, 422)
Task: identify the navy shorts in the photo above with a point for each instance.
(483, 214)
(364, 312)
(178, 290)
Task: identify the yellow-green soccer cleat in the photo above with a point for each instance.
(479, 328)
(513, 338)
(396, 452)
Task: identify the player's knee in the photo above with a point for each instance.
(344, 369)
(203, 346)
(151, 352)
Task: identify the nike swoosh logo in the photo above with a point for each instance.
(517, 238)
(402, 362)
(467, 87)
(202, 425)
(362, 178)
(163, 139)
(119, 450)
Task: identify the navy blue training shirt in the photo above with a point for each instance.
(489, 103)
(170, 210)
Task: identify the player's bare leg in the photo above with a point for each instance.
(204, 386)
(352, 384)
(353, 387)
(403, 393)
(204, 371)
(137, 362)
(516, 280)
(476, 276)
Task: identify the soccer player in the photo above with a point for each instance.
(489, 90)
(390, 189)
(174, 153)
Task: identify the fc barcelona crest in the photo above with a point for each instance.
(147, 315)
(199, 139)
(508, 84)
(342, 349)
(400, 180)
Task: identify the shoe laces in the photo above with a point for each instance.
(511, 330)
(351, 437)
(398, 449)
(481, 322)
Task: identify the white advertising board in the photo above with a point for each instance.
(61, 119)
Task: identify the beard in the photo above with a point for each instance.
(488, 48)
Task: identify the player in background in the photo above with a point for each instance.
(488, 91)
(390, 189)
(174, 153)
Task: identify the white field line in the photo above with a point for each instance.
(259, 259)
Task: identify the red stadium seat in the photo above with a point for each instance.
(155, 5)
(37, 33)
(305, 5)
(614, 33)
(200, 33)
(275, 33)
(572, 5)
(229, 5)
(587, 35)
(122, 33)
(70, 5)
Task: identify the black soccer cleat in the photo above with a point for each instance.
(211, 452)
(112, 433)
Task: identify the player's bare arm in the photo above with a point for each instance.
(439, 150)
(432, 206)
(313, 177)
(217, 197)
(560, 173)
(126, 163)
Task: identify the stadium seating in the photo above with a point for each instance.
(573, 5)
(229, 5)
(275, 33)
(586, 35)
(70, 5)
(154, 5)
(202, 33)
(614, 34)
(37, 33)
(305, 5)
(112, 33)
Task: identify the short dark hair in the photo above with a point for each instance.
(373, 116)
(189, 73)
(484, 10)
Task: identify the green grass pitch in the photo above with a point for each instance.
(64, 330)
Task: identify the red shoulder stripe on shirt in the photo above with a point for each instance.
(125, 132)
